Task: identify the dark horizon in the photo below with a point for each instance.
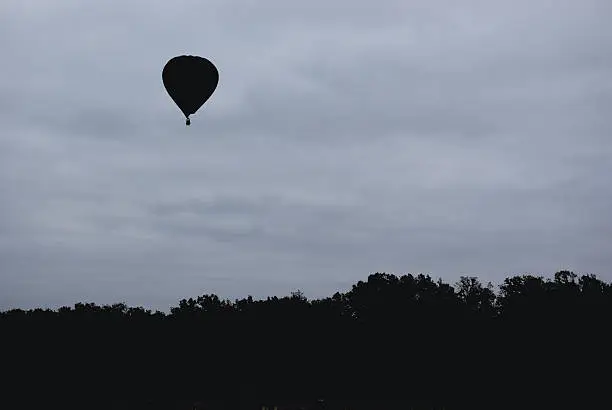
(406, 339)
(496, 291)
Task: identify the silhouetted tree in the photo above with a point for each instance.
(388, 336)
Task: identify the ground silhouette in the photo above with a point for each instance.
(401, 339)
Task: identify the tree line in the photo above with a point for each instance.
(393, 337)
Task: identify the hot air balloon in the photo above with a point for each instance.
(190, 81)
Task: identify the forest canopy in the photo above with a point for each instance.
(387, 336)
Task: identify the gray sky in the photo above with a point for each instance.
(426, 136)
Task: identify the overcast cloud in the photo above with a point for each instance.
(425, 136)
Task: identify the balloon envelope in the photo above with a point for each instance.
(190, 81)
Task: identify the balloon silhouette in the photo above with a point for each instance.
(190, 81)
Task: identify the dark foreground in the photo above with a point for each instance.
(388, 343)
(272, 405)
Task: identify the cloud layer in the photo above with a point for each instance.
(344, 138)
